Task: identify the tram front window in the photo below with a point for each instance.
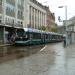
(25, 37)
(20, 32)
(21, 35)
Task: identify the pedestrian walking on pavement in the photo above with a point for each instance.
(64, 42)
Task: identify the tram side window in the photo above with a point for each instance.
(25, 37)
(36, 36)
(50, 36)
(53, 37)
(46, 36)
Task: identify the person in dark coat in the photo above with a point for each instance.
(64, 42)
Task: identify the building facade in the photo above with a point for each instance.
(70, 30)
(50, 19)
(11, 17)
(18, 14)
(60, 29)
(37, 15)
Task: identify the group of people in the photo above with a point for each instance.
(11, 37)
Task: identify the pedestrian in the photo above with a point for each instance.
(64, 42)
(13, 38)
(8, 37)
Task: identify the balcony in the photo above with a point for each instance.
(12, 14)
(20, 17)
(9, 24)
(18, 25)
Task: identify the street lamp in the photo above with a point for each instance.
(65, 11)
(46, 3)
(65, 20)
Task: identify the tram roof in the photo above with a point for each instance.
(31, 30)
(39, 31)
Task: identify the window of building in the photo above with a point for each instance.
(10, 10)
(0, 2)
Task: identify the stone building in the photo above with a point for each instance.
(11, 17)
(50, 19)
(70, 30)
(18, 14)
(60, 29)
(37, 14)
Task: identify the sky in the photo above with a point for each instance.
(54, 4)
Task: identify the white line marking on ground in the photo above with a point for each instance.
(43, 48)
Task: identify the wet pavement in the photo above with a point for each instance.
(51, 59)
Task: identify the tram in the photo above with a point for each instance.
(29, 36)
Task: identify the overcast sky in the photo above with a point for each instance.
(53, 4)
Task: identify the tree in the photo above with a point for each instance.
(54, 29)
(42, 28)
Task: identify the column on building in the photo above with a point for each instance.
(3, 18)
(37, 19)
(34, 18)
(16, 12)
(31, 17)
(4, 10)
(27, 12)
(40, 18)
(43, 19)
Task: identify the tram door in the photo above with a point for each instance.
(43, 38)
(30, 37)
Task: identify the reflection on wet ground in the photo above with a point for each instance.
(54, 59)
(15, 52)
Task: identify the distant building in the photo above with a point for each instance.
(60, 29)
(50, 19)
(70, 30)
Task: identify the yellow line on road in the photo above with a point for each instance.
(43, 48)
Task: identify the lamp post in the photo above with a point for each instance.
(65, 11)
(65, 20)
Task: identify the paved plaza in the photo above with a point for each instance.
(51, 59)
